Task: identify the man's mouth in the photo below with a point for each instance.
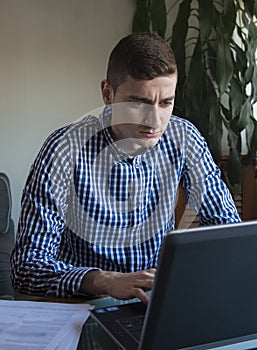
(150, 133)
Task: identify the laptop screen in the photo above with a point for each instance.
(205, 289)
(204, 294)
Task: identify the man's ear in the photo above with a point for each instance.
(107, 92)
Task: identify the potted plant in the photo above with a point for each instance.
(215, 45)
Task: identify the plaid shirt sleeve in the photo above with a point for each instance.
(205, 191)
(36, 268)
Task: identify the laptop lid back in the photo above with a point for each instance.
(205, 291)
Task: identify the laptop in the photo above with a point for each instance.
(204, 294)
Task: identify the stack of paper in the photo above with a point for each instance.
(28, 325)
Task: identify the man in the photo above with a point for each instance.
(101, 193)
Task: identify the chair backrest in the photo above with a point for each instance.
(6, 237)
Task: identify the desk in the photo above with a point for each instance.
(92, 336)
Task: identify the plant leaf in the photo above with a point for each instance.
(249, 73)
(245, 114)
(254, 85)
(250, 6)
(251, 138)
(158, 16)
(241, 61)
(236, 97)
(234, 161)
(215, 123)
(212, 60)
(224, 64)
(255, 9)
(179, 33)
(240, 123)
(229, 16)
(206, 13)
(253, 31)
(141, 19)
(195, 88)
(226, 114)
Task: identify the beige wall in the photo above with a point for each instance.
(52, 57)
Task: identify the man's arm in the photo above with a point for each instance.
(205, 191)
(35, 264)
(119, 285)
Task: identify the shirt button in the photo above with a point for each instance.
(137, 163)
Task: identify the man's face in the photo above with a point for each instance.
(141, 110)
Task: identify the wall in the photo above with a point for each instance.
(53, 57)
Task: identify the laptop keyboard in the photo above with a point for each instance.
(133, 326)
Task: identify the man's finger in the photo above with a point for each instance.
(140, 294)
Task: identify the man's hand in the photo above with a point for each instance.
(119, 285)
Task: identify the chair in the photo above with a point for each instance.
(6, 238)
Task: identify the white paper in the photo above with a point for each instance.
(31, 325)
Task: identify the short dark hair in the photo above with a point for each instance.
(143, 56)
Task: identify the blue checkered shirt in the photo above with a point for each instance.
(89, 205)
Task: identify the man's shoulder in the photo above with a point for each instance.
(181, 126)
(85, 125)
(182, 134)
(76, 133)
(179, 122)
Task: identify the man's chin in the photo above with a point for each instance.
(149, 142)
(145, 144)
(137, 146)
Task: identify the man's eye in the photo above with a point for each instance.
(137, 104)
(166, 103)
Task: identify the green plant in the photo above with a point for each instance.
(215, 43)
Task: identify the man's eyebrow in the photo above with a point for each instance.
(134, 98)
(169, 98)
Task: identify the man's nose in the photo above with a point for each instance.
(152, 116)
